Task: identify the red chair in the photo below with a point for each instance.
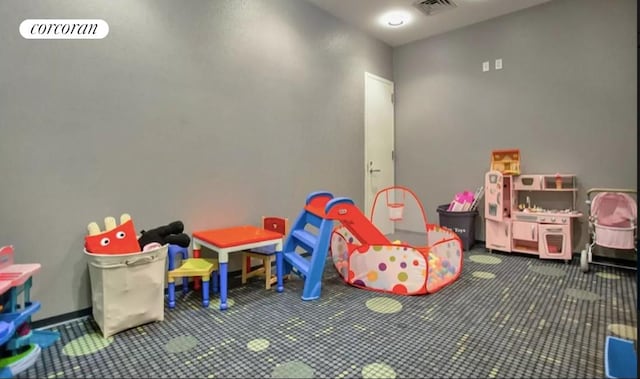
(265, 255)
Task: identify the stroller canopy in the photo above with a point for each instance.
(614, 209)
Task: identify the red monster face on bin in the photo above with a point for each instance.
(115, 239)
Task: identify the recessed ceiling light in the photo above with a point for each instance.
(395, 19)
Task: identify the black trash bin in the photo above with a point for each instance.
(463, 223)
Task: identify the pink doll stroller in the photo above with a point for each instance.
(612, 223)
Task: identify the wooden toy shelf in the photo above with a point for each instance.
(517, 222)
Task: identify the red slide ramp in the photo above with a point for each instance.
(345, 211)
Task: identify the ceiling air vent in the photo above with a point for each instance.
(432, 7)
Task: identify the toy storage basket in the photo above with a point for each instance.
(396, 208)
(396, 211)
(127, 290)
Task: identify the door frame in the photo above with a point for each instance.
(368, 200)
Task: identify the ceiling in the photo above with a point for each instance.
(365, 14)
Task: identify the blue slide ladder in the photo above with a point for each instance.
(306, 247)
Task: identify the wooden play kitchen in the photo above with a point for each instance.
(531, 214)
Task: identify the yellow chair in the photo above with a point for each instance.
(276, 224)
(203, 268)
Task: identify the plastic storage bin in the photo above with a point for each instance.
(127, 290)
(462, 223)
(620, 359)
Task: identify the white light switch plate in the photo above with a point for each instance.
(485, 66)
(498, 64)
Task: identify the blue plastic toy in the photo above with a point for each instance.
(20, 346)
(313, 241)
(620, 359)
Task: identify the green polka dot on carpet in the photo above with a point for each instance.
(607, 275)
(293, 369)
(85, 345)
(624, 331)
(548, 270)
(181, 344)
(582, 294)
(483, 275)
(384, 305)
(485, 259)
(258, 344)
(378, 370)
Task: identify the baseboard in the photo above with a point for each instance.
(60, 319)
(482, 245)
(235, 279)
(66, 317)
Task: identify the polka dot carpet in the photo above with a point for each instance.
(507, 316)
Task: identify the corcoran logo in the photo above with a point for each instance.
(64, 29)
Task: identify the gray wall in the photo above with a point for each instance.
(210, 112)
(566, 98)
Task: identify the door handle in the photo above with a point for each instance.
(372, 170)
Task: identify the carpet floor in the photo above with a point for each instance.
(507, 315)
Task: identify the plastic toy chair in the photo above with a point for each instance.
(276, 224)
(202, 268)
(184, 255)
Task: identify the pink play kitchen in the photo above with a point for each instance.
(531, 214)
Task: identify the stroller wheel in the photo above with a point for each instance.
(584, 263)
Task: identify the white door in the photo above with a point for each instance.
(378, 142)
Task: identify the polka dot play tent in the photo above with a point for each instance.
(365, 257)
